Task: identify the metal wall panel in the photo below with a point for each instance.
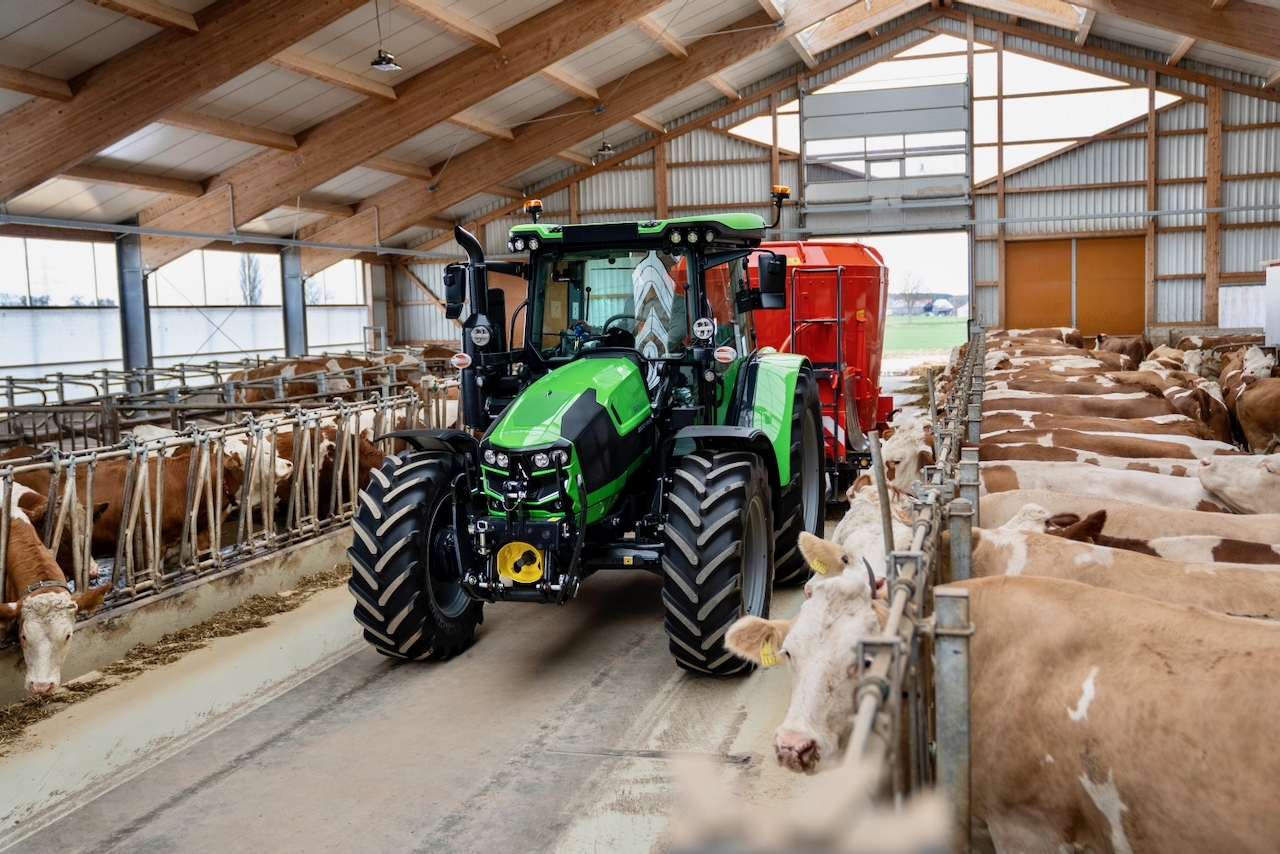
(726, 184)
(1240, 109)
(986, 304)
(1251, 192)
(1180, 156)
(1190, 115)
(702, 145)
(986, 256)
(422, 322)
(608, 217)
(1180, 196)
(1177, 84)
(1180, 301)
(1180, 253)
(985, 207)
(1094, 163)
(644, 158)
(1245, 249)
(1245, 152)
(616, 189)
(1241, 306)
(1090, 210)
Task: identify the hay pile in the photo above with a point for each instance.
(252, 613)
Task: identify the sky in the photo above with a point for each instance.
(941, 260)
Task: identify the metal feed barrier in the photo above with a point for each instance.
(913, 690)
(218, 530)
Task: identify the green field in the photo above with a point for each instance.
(924, 333)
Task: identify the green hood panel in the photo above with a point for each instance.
(537, 417)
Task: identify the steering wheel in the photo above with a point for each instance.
(631, 317)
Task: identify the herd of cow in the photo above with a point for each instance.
(44, 587)
(1125, 587)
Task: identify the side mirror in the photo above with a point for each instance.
(455, 290)
(772, 275)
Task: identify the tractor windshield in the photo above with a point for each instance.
(610, 298)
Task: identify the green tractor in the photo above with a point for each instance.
(637, 427)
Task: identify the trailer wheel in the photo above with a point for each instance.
(405, 572)
(804, 499)
(718, 559)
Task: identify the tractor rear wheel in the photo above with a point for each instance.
(405, 575)
(804, 499)
(718, 559)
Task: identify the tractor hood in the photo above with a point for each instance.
(600, 405)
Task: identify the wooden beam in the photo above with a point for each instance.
(1149, 236)
(480, 125)
(438, 223)
(573, 202)
(1250, 27)
(153, 12)
(1273, 79)
(505, 192)
(724, 87)
(431, 297)
(648, 123)
(570, 83)
(1218, 4)
(227, 129)
(1086, 24)
(772, 9)
(802, 50)
(660, 202)
(318, 70)
(134, 180)
(1213, 199)
(31, 83)
(453, 22)
(575, 158)
(1180, 50)
(1055, 13)
(399, 167)
(659, 34)
(310, 204)
(141, 83)
(854, 20)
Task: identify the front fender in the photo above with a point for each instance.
(446, 441)
(765, 402)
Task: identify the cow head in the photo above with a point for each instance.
(906, 452)
(1247, 483)
(1256, 365)
(46, 621)
(819, 646)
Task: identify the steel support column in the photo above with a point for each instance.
(294, 305)
(135, 311)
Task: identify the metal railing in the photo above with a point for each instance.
(912, 695)
(236, 502)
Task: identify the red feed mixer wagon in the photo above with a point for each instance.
(837, 295)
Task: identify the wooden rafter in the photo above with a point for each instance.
(227, 129)
(1250, 27)
(1180, 50)
(452, 21)
(575, 158)
(369, 129)
(724, 87)
(1055, 13)
(135, 87)
(134, 180)
(570, 82)
(503, 191)
(854, 20)
(662, 36)
(310, 204)
(648, 123)
(480, 125)
(1218, 4)
(801, 48)
(316, 69)
(31, 83)
(153, 12)
(399, 167)
(1273, 80)
(1086, 24)
(772, 9)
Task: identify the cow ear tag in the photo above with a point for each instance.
(767, 656)
(818, 566)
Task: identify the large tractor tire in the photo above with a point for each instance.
(404, 567)
(718, 558)
(804, 499)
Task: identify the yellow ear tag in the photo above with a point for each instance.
(818, 567)
(767, 656)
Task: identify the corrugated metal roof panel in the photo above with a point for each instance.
(273, 98)
(435, 145)
(1091, 210)
(175, 152)
(63, 39)
(1180, 156)
(613, 56)
(1245, 249)
(1246, 152)
(1181, 197)
(1180, 253)
(526, 100)
(281, 222)
(1254, 191)
(1093, 163)
(617, 189)
(69, 199)
(1180, 301)
(356, 184)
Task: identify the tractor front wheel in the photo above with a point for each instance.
(718, 558)
(406, 576)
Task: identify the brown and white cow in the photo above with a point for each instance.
(1258, 413)
(294, 372)
(1131, 405)
(1032, 452)
(1207, 342)
(1095, 715)
(1066, 334)
(1245, 483)
(1111, 444)
(37, 597)
(1136, 347)
(1132, 520)
(1189, 549)
(998, 421)
(1157, 490)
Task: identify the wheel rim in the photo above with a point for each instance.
(755, 568)
(444, 575)
(811, 475)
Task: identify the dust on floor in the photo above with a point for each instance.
(252, 613)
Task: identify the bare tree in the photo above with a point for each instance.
(314, 290)
(912, 291)
(250, 280)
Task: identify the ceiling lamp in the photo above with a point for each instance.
(384, 61)
(605, 150)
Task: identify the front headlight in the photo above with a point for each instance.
(519, 244)
(489, 456)
(533, 244)
(693, 237)
(503, 461)
(541, 460)
(560, 457)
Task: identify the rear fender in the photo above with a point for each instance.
(713, 437)
(764, 403)
(447, 441)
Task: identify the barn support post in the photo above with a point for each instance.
(951, 675)
(294, 305)
(969, 483)
(960, 520)
(135, 310)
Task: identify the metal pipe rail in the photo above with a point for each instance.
(919, 661)
(235, 501)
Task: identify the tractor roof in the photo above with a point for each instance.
(742, 226)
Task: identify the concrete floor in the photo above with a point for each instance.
(557, 731)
